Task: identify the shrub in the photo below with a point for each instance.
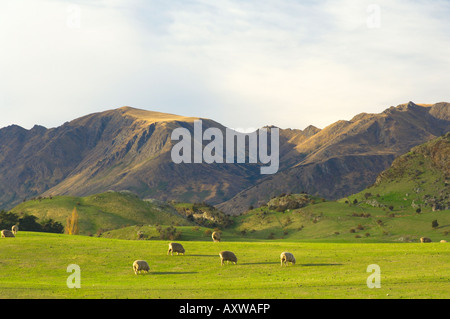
(293, 205)
(141, 235)
(352, 230)
(287, 221)
(280, 208)
(170, 233)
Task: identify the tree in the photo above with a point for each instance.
(51, 226)
(72, 223)
(29, 223)
(8, 219)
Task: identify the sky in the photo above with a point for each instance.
(244, 64)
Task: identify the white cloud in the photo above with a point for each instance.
(244, 64)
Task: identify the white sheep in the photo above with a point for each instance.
(7, 233)
(15, 229)
(443, 241)
(286, 258)
(175, 248)
(227, 256)
(140, 265)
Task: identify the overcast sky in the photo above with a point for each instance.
(245, 64)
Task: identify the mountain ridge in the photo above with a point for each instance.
(346, 156)
(129, 149)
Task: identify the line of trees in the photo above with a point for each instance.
(29, 223)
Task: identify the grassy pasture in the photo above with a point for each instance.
(33, 265)
(334, 221)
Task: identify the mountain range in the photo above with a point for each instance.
(403, 204)
(130, 149)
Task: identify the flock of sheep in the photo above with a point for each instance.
(228, 256)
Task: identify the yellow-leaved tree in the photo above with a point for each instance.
(72, 223)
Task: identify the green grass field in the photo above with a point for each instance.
(338, 222)
(34, 265)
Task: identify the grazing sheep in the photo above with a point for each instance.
(175, 248)
(140, 265)
(287, 258)
(216, 237)
(443, 241)
(227, 256)
(15, 229)
(7, 233)
(425, 240)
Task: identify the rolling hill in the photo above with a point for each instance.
(101, 212)
(419, 179)
(111, 210)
